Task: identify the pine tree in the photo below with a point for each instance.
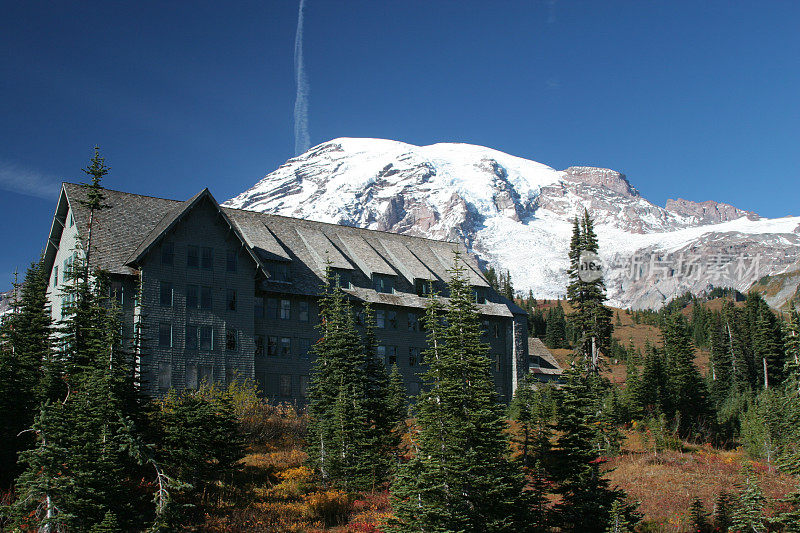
(586, 498)
(723, 511)
(459, 478)
(618, 521)
(720, 360)
(749, 512)
(24, 366)
(556, 326)
(533, 408)
(790, 518)
(698, 520)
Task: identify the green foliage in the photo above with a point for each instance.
(533, 408)
(748, 514)
(556, 328)
(723, 511)
(698, 520)
(459, 478)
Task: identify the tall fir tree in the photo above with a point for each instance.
(459, 477)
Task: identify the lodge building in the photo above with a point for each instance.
(218, 293)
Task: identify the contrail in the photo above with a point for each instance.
(301, 138)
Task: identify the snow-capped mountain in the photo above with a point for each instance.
(516, 214)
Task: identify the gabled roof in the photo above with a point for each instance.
(174, 215)
(130, 225)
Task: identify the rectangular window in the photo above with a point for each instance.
(285, 385)
(343, 277)
(383, 283)
(380, 318)
(206, 338)
(424, 286)
(413, 321)
(303, 386)
(192, 296)
(258, 307)
(413, 356)
(231, 260)
(286, 347)
(231, 340)
(278, 271)
(497, 331)
(479, 293)
(286, 309)
(259, 339)
(391, 319)
(167, 253)
(231, 303)
(165, 335)
(272, 308)
(303, 312)
(192, 257)
(303, 347)
(380, 352)
(391, 355)
(205, 374)
(486, 328)
(191, 337)
(272, 346)
(164, 376)
(55, 276)
(497, 362)
(165, 294)
(71, 220)
(191, 376)
(205, 298)
(115, 292)
(207, 258)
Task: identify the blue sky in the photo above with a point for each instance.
(691, 99)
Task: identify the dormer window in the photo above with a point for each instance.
(278, 271)
(479, 295)
(423, 286)
(383, 283)
(343, 278)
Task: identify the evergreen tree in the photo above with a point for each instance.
(749, 512)
(340, 441)
(591, 318)
(720, 360)
(556, 326)
(586, 498)
(25, 366)
(790, 518)
(533, 408)
(723, 511)
(618, 521)
(698, 520)
(459, 478)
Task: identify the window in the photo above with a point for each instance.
(71, 220)
(343, 278)
(496, 330)
(303, 347)
(259, 339)
(381, 352)
(165, 294)
(285, 385)
(164, 376)
(231, 260)
(286, 309)
(191, 337)
(192, 257)
(391, 319)
(115, 292)
(303, 386)
(191, 375)
(207, 258)
(206, 338)
(383, 283)
(303, 311)
(413, 356)
(286, 347)
(414, 388)
(424, 286)
(165, 335)
(168, 253)
(205, 374)
(55, 276)
(272, 308)
(205, 298)
(486, 328)
(380, 318)
(413, 321)
(192, 296)
(258, 307)
(497, 362)
(231, 340)
(479, 294)
(391, 355)
(272, 346)
(278, 271)
(231, 300)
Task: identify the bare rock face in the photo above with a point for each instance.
(708, 212)
(516, 214)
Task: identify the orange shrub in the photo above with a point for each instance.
(330, 506)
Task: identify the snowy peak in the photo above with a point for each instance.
(515, 214)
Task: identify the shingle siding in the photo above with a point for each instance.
(132, 232)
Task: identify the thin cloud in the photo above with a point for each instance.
(302, 140)
(29, 182)
(553, 83)
(551, 11)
